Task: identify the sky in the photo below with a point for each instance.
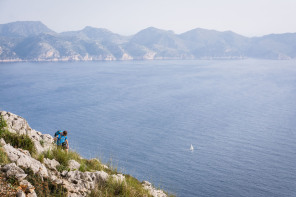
(127, 17)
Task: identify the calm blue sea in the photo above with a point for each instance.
(142, 116)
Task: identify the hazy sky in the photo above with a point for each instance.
(246, 17)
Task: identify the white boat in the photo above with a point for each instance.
(191, 148)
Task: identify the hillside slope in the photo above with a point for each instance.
(31, 165)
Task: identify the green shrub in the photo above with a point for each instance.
(19, 141)
(48, 154)
(15, 140)
(61, 156)
(61, 168)
(42, 143)
(3, 124)
(40, 158)
(82, 168)
(3, 157)
(12, 180)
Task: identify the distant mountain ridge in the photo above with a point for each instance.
(33, 41)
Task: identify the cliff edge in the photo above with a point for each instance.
(44, 170)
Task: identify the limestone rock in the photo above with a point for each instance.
(74, 165)
(118, 178)
(17, 124)
(20, 177)
(25, 161)
(82, 182)
(20, 193)
(51, 164)
(32, 195)
(28, 188)
(26, 152)
(152, 191)
(101, 175)
(64, 173)
(13, 170)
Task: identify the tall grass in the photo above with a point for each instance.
(63, 158)
(111, 188)
(3, 157)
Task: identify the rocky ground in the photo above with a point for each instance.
(6, 188)
(75, 182)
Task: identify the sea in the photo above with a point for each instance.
(141, 117)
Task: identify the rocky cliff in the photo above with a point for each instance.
(22, 166)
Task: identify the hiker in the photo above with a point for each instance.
(61, 140)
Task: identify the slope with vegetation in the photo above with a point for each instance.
(32, 165)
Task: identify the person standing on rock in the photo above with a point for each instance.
(62, 140)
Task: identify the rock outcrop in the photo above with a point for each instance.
(18, 125)
(74, 165)
(25, 188)
(23, 159)
(154, 192)
(77, 183)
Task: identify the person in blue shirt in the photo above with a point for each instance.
(62, 141)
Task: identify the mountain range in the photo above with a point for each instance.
(33, 41)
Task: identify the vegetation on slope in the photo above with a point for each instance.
(131, 186)
(44, 187)
(3, 157)
(15, 140)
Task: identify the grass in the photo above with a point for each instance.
(3, 157)
(15, 140)
(131, 187)
(40, 158)
(111, 188)
(42, 143)
(85, 164)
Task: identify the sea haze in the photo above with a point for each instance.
(144, 115)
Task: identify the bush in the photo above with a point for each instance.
(61, 168)
(40, 158)
(3, 157)
(3, 124)
(42, 143)
(61, 156)
(15, 140)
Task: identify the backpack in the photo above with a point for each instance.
(57, 133)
